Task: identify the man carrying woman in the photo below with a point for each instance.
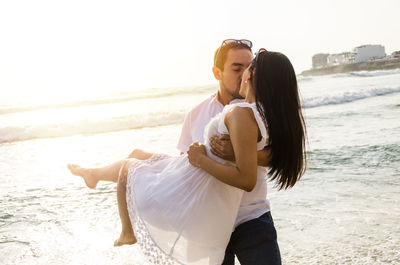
(185, 208)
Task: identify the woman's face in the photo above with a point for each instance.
(245, 84)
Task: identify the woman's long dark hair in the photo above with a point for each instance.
(277, 99)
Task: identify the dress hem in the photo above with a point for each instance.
(145, 240)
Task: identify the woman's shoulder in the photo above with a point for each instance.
(240, 112)
(247, 114)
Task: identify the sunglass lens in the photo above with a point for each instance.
(247, 42)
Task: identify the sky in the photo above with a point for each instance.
(65, 49)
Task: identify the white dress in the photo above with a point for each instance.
(180, 213)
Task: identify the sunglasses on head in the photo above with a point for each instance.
(233, 42)
(239, 42)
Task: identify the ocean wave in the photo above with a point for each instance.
(301, 78)
(155, 118)
(365, 73)
(122, 97)
(375, 73)
(347, 97)
(114, 124)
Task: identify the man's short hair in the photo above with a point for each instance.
(221, 53)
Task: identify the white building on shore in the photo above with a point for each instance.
(395, 55)
(368, 52)
(359, 54)
(320, 60)
(340, 58)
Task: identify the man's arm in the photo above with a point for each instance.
(222, 147)
(263, 157)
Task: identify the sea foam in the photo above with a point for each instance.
(168, 106)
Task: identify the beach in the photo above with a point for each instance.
(345, 210)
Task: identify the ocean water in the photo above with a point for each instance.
(345, 210)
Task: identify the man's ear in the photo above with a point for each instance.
(217, 73)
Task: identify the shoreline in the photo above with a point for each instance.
(354, 67)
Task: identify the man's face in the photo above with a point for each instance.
(236, 62)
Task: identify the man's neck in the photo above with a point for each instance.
(224, 99)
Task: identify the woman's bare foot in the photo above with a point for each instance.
(126, 238)
(85, 173)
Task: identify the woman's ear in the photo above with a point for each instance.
(217, 72)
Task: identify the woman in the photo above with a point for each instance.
(184, 208)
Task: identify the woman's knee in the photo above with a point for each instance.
(139, 154)
(123, 173)
(135, 153)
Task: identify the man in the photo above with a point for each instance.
(254, 236)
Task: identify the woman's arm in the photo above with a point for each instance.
(222, 147)
(243, 130)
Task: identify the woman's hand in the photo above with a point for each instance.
(195, 153)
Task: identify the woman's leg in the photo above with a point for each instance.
(94, 175)
(127, 235)
(107, 173)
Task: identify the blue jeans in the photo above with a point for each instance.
(254, 243)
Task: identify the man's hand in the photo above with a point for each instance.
(195, 152)
(222, 147)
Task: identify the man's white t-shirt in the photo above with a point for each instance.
(253, 203)
(196, 120)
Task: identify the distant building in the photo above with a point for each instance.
(361, 58)
(349, 57)
(320, 60)
(359, 54)
(341, 58)
(368, 52)
(396, 54)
